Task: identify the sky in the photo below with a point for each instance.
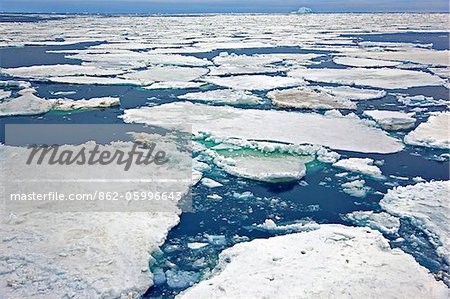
(221, 6)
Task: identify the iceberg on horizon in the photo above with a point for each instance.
(303, 10)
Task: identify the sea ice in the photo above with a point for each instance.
(382, 221)
(175, 85)
(58, 70)
(224, 96)
(428, 206)
(25, 104)
(364, 62)
(374, 77)
(68, 104)
(255, 82)
(392, 120)
(354, 94)
(308, 98)
(433, 133)
(4, 94)
(244, 60)
(271, 169)
(300, 226)
(92, 80)
(356, 188)
(222, 70)
(166, 74)
(421, 101)
(278, 126)
(354, 262)
(360, 165)
(210, 183)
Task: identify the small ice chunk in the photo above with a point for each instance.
(356, 188)
(384, 222)
(196, 245)
(217, 240)
(421, 101)
(255, 82)
(433, 133)
(210, 183)
(392, 120)
(244, 195)
(300, 226)
(376, 77)
(68, 104)
(360, 165)
(308, 98)
(225, 96)
(177, 279)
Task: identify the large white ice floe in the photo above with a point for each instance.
(58, 70)
(427, 205)
(224, 96)
(376, 77)
(364, 62)
(92, 80)
(414, 55)
(270, 169)
(166, 74)
(25, 104)
(392, 120)
(255, 82)
(360, 165)
(78, 254)
(280, 126)
(433, 133)
(308, 98)
(334, 260)
(382, 221)
(225, 58)
(241, 70)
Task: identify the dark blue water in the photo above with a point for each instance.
(321, 199)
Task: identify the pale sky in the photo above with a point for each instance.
(221, 6)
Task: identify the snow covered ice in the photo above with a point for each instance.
(357, 262)
(433, 133)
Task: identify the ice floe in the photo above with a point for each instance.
(210, 183)
(175, 85)
(280, 126)
(308, 98)
(300, 226)
(392, 120)
(224, 96)
(375, 77)
(433, 133)
(222, 70)
(382, 221)
(255, 82)
(360, 165)
(421, 101)
(4, 94)
(354, 94)
(414, 55)
(68, 104)
(356, 188)
(271, 169)
(428, 206)
(25, 104)
(364, 62)
(166, 73)
(269, 268)
(58, 70)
